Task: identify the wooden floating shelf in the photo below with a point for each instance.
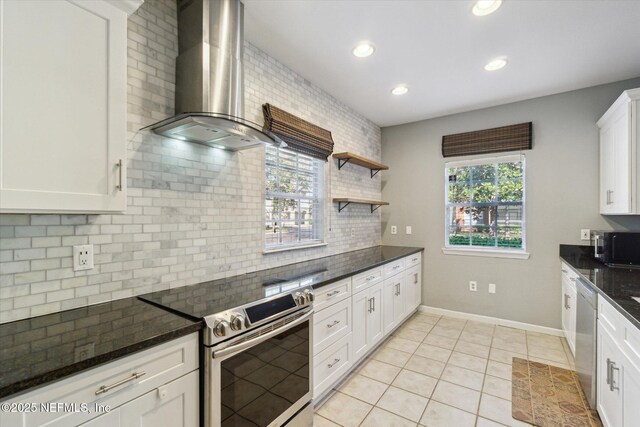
(344, 158)
(343, 202)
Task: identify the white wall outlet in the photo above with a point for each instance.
(408, 229)
(492, 288)
(82, 257)
(353, 232)
(585, 234)
(394, 229)
(473, 286)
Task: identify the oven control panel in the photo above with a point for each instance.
(236, 321)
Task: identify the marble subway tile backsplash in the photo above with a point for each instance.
(194, 213)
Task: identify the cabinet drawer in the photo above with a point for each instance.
(364, 280)
(610, 318)
(331, 324)
(160, 365)
(331, 364)
(331, 294)
(412, 260)
(393, 268)
(568, 272)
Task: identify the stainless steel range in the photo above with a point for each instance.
(256, 347)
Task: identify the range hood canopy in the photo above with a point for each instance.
(210, 79)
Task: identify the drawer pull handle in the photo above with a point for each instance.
(566, 301)
(397, 289)
(564, 271)
(370, 278)
(414, 260)
(331, 325)
(331, 365)
(395, 267)
(106, 388)
(336, 292)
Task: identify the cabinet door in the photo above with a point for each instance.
(413, 289)
(391, 312)
(573, 311)
(606, 169)
(63, 106)
(609, 394)
(565, 308)
(360, 312)
(621, 196)
(630, 394)
(174, 404)
(375, 330)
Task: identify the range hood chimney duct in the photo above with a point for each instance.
(210, 78)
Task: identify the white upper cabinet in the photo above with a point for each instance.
(63, 105)
(620, 156)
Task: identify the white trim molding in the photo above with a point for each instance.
(491, 253)
(493, 320)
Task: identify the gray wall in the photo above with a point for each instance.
(562, 198)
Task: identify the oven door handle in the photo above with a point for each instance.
(255, 341)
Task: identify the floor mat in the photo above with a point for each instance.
(545, 396)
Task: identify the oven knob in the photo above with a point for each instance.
(237, 322)
(220, 328)
(309, 295)
(300, 299)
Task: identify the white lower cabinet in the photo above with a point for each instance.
(160, 383)
(367, 320)
(393, 302)
(618, 371)
(354, 315)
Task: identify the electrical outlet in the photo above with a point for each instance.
(84, 352)
(82, 257)
(492, 288)
(473, 286)
(585, 234)
(408, 229)
(394, 229)
(353, 232)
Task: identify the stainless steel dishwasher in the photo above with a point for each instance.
(586, 323)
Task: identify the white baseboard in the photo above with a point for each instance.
(493, 320)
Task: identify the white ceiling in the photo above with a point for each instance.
(439, 49)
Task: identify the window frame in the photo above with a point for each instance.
(488, 251)
(318, 200)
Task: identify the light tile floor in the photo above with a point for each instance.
(439, 372)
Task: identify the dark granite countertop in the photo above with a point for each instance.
(42, 349)
(616, 284)
(197, 301)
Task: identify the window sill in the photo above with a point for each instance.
(491, 253)
(292, 248)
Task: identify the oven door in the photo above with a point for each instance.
(261, 378)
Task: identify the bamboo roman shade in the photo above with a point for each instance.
(496, 140)
(300, 135)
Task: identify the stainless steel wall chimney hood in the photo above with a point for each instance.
(210, 80)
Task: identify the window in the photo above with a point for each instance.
(293, 199)
(485, 204)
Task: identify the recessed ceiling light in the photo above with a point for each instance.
(485, 7)
(496, 64)
(400, 90)
(364, 49)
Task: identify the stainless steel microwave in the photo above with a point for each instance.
(617, 247)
